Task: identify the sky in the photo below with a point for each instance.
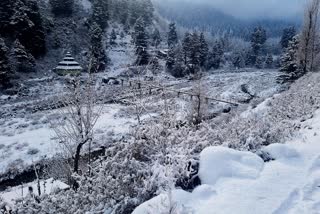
(257, 8)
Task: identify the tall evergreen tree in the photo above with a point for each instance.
(100, 14)
(175, 64)
(24, 61)
(141, 43)
(195, 50)
(186, 47)
(98, 56)
(289, 62)
(147, 11)
(62, 7)
(238, 59)
(269, 61)
(172, 35)
(258, 39)
(203, 51)
(113, 37)
(215, 56)
(156, 38)
(287, 36)
(5, 70)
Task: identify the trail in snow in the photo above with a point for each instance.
(235, 182)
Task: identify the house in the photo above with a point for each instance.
(68, 66)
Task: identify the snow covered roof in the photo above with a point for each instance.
(68, 64)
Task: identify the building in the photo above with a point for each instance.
(68, 66)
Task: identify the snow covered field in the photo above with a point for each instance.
(240, 182)
(24, 141)
(26, 137)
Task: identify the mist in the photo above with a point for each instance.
(251, 9)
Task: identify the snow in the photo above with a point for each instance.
(18, 137)
(47, 186)
(238, 182)
(220, 162)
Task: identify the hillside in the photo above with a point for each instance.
(141, 106)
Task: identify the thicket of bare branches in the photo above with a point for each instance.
(75, 126)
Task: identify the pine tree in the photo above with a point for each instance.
(238, 59)
(156, 38)
(258, 39)
(204, 50)
(186, 47)
(141, 43)
(24, 61)
(259, 62)
(178, 70)
(7, 9)
(171, 58)
(195, 50)
(100, 14)
(289, 62)
(175, 65)
(172, 35)
(98, 56)
(287, 36)
(113, 38)
(215, 56)
(62, 7)
(269, 61)
(134, 12)
(23, 21)
(147, 11)
(5, 70)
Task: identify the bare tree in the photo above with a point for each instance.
(309, 36)
(80, 115)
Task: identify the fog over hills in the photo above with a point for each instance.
(216, 17)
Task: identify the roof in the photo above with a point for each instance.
(68, 63)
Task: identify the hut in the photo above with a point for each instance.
(68, 66)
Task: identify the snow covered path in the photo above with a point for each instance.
(239, 182)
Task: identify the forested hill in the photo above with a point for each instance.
(35, 34)
(206, 18)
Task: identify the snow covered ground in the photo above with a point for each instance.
(240, 182)
(46, 186)
(26, 137)
(24, 141)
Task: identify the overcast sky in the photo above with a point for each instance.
(257, 8)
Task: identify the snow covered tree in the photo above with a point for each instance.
(5, 70)
(97, 51)
(215, 56)
(76, 129)
(259, 62)
(186, 47)
(172, 35)
(204, 50)
(24, 61)
(62, 7)
(258, 39)
(113, 38)
(289, 62)
(269, 62)
(147, 11)
(195, 50)
(141, 43)
(175, 63)
(238, 59)
(287, 36)
(100, 14)
(22, 20)
(156, 38)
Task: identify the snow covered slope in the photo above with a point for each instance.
(239, 182)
